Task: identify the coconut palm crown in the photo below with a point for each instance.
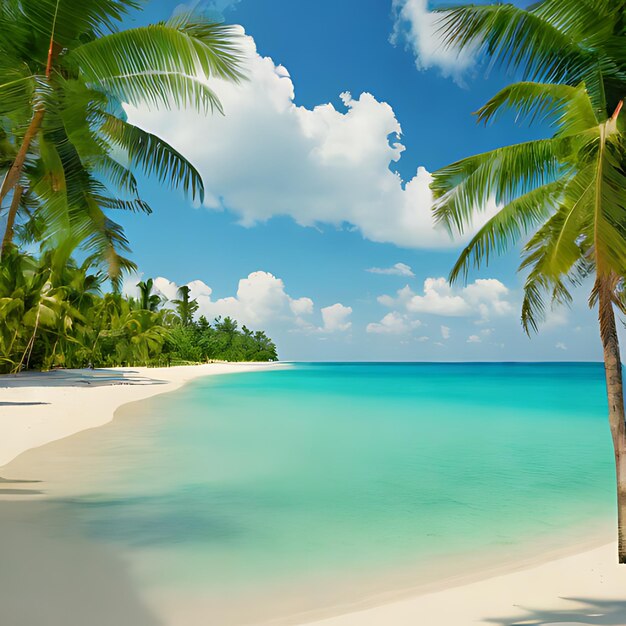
(66, 146)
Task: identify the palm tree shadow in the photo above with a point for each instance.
(22, 403)
(587, 612)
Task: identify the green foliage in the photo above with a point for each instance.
(53, 314)
(223, 341)
(65, 70)
(557, 41)
(570, 191)
(185, 306)
(564, 194)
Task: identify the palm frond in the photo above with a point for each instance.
(512, 222)
(568, 108)
(159, 65)
(154, 155)
(514, 38)
(466, 186)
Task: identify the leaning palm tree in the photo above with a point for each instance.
(65, 72)
(567, 193)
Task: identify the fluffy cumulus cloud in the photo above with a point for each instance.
(269, 157)
(418, 28)
(484, 298)
(445, 332)
(261, 299)
(399, 269)
(335, 318)
(393, 323)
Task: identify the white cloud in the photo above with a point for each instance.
(418, 27)
(445, 332)
(260, 300)
(393, 323)
(302, 306)
(129, 285)
(560, 346)
(423, 339)
(166, 288)
(335, 318)
(483, 297)
(268, 157)
(474, 339)
(399, 269)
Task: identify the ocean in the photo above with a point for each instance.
(289, 492)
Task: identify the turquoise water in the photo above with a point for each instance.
(243, 483)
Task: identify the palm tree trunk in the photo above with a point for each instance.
(615, 396)
(14, 174)
(15, 171)
(12, 177)
(7, 240)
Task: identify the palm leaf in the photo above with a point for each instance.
(158, 65)
(154, 156)
(512, 222)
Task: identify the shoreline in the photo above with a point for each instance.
(539, 589)
(585, 588)
(37, 408)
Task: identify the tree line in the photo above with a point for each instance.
(54, 314)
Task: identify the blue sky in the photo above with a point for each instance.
(302, 201)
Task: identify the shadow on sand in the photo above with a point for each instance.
(51, 576)
(585, 612)
(22, 403)
(74, 378)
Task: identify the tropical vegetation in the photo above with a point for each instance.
(69, 158)
(68, 154)
(563, 196)
(55, 314)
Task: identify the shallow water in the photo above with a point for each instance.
(326, 483)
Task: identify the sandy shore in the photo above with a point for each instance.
(586, 587)
(37, 408)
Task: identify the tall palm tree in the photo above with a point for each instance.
(568, 191)
(65, 71)
(560, 187)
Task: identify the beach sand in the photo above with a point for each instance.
(37, 408)
(42, 572)
(588, 588)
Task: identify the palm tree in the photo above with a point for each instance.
(558, 41)
(148, 301)
(579, 43)
(568, 189)
(185, 306)
(65, 71)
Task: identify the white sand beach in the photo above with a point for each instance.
(586, 587)
(37, 408)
